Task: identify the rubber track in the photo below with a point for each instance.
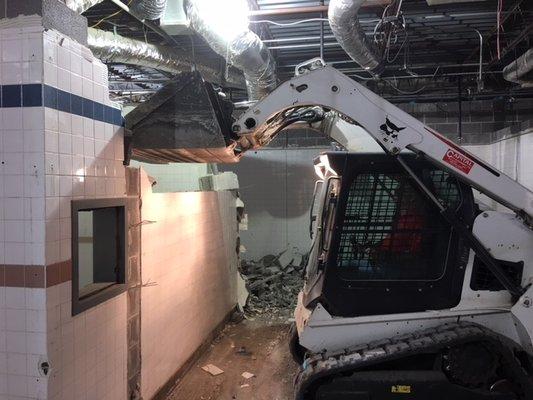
(430, 340)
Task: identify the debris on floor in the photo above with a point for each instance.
(273, 283)
(212, 369)
(247, 375)
(271, 365)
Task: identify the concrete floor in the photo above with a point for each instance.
(259, 347)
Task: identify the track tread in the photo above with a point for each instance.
(319, 367)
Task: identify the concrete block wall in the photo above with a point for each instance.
(189, 271)
(480, 118)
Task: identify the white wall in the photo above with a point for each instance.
(189, 269)
(513, 156)
(276, 187)
(177, 177)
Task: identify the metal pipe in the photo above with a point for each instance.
(304, 46)
(346, 28)
(288, 11)
(460, 103)
(480, 78)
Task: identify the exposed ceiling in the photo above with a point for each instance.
(435, 57)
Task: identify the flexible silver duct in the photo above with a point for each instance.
(521, 70)
(246, 52)
(149, 9)
(342, 15)
(115, 48)
(81, 6)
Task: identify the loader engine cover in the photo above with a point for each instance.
(185, 121)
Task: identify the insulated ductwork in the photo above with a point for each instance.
(149, 9)
(244, 51)
(344, 22)
(521, 70)
(81, 6)
(114, 48)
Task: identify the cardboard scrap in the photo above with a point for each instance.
(212, 369)
(247, 375)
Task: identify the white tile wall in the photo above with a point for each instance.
(88, 352)
(193, 272)
(49, 158)
(22, 343)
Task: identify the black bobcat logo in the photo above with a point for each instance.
(390, 129)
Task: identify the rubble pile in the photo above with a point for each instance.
(273, 283)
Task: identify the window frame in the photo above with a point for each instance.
(98, 297)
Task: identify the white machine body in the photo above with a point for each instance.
(506, 236)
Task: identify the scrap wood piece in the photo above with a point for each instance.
(247, 375)
(212, 369)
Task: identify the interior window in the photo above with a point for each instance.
(390, 232)
(99, 243)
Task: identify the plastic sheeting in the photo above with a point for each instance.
(245, 51)
(149, 9)
(115, 48)
(342, 15)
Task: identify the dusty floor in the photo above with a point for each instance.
(258, 347)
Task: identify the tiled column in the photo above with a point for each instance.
(60, 139)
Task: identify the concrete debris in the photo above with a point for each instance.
(247, 375)
(212, 369)
(273, 283)
(245, 386)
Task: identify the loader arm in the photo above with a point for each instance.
(390, 127)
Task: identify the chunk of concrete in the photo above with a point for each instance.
(212, 369)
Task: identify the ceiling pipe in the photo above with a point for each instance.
(244, 50)
(117, 49)
(344, 22)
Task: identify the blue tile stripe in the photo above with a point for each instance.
(38, 95)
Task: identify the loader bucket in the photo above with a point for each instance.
(185, 121)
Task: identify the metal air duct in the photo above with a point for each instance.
(521, 70)
(81, 6)
(344, 22)
(115, 48)
(245, 51)
(149, 9)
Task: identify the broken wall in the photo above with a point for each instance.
(276, 186)
(189, 272)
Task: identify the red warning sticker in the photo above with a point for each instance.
(458, 161)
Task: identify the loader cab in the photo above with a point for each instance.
(380, 246)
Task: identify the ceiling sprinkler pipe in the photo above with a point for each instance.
(344, 22)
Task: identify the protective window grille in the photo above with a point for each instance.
(389, 232)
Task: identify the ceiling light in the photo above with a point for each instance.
(227, 18)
